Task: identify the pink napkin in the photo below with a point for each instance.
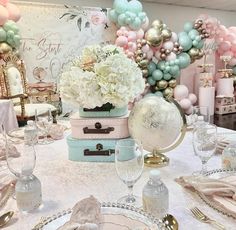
(12, 150)
(221, 192)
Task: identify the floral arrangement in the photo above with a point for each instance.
(101, 75)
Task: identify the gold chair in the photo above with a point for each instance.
(13, 86)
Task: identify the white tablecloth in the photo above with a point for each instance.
(7, 115)
(65, 182)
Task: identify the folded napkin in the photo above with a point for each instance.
(221, 192)
(11, 148)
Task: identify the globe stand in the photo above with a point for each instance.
(156, 159)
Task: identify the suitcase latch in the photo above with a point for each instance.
(99, 151)
(98, 129)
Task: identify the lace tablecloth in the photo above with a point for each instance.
(7, 115)
(65, 182)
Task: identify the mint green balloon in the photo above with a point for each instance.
(113, 16)
(11, 42)
(167, 68)
(120, 6)
(151, 81)
(151, 67)
(121, 20)
(188, 26)
(159, 93)
(17, 40)
(174, 70)
(198, 38)
(3, 35)
(200, 44)
(128, 20)
(142, 15)
(15, 28)
(135, 6)
(136, 24)
(167, 76)
(193, 34)
(182, 34)
(195, 43)
(172, 62)
(185, 42)
(10, 34)
(184, 60)
(234, 70)
(157, 75)
(176, 62)
(161, 65)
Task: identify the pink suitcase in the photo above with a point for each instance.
(99, 128)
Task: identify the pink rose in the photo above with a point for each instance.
(98, 18)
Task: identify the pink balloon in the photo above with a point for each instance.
(3, 15)
(223, 30)
(189, 111)
(3, 2)
(180, 92)
(185, 103)
(232, 62)
(145, 25)
(149, 54)
(121, 41)
(233, 47)
(140, 34)
(193, 98)
(230, 37)
(132, 46)
(169, 45)
(171, 57)
(174, 37)
(132, 36)
(225, 46)
(158, 55)
(232, 29)
(228, 53)
(145, 48)
(14, 12)
(129, 54)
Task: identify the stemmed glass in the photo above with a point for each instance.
(200, 115)
(204, 143)
(44, 123)
(129, 164)
(21, 159)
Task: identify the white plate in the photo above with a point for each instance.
(218, 174)
(119, 216)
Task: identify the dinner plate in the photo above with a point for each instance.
(218, 174)
(116, 217)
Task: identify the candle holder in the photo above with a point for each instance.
(225, 72)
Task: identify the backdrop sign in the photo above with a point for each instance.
(53, 35)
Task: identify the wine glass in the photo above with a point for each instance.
(44, 123)
(129, 164)
(204, 143)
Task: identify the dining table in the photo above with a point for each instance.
(66, 182)
(7, 115)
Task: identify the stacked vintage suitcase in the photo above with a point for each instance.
(95, 133)
(225, 105)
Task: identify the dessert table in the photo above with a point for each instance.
(65, 182)
(7, 115)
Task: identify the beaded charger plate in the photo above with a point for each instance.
(116, 217)
(219, 174)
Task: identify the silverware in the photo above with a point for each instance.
(7, 195)
(198, 214)
(170, 222)
(5, 218)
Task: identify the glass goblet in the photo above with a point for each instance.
(200, 115)
(129, 163)
(44, 123)
(204, 143)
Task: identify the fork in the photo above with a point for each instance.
(198, 214)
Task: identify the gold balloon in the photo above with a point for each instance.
(145, 72)
(172, 83)
(139, 52)
(162, 84)
(168, 92)
(5, 48)
(193, 52)
(138, 59)
(201, 53)
(166, 34)
(157, 24)
(143, 63)
(153, 37)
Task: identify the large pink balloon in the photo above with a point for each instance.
(145, 48)
(171, 57)
(149, 54)
(180, 92)
(3, 15)
(121, 41)
(174, 37)
(132, 36)
(140, 34)
(14, 12)
(228, 53)
(169, 45)
(230, 37)
(233, 47)
(223, 30)
(3, 2)
(232, 29)
(225, 46)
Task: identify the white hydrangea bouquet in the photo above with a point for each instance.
(101, 75)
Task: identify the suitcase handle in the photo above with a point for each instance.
(98, 129)
(99, 151)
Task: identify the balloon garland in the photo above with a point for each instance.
(9, 31)
(158, 51)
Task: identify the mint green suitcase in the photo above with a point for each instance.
(100, 150)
